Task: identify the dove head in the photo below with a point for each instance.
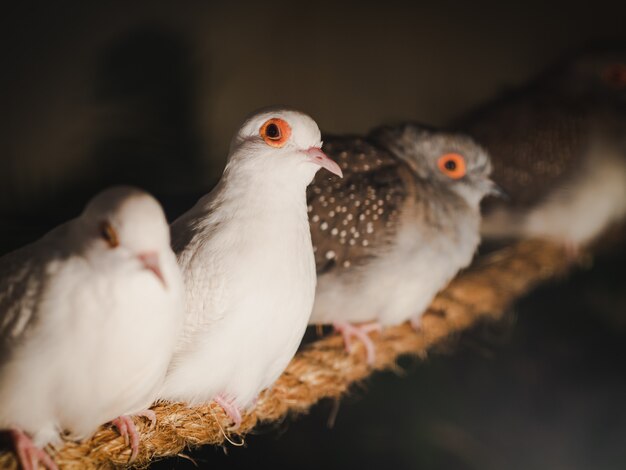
(279, 145)
(125, 222)
(598, 71)
(451, 161)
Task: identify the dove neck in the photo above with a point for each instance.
(273, 193)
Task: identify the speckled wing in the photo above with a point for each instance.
(354, 218)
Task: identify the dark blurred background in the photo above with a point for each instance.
(150, 93)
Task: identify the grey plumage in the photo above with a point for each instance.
(396, 229)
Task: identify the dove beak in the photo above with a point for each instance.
(150, 261)
(315, 155)
(497, 191)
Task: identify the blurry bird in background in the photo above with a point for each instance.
(397, 228)
(247, 261)
(89, 316)
(558, 147)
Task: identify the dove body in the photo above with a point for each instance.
(401, 282)
(558, 146)
(399, 226)
(90, 315)
(246, 256)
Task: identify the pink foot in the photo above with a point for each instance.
(416, 324)
(360, 332)
(149, 415)
(126, 427)
(230, 408)
(127, 430)
(28, 454)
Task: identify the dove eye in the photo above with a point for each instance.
(108, 233)
(452, 165)
(275, 132)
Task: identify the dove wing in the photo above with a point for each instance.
(352, 219)
(533, 148)
(22, 282)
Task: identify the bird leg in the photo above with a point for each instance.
(231, 410)
(126, 427)
(361, 332)
(29, 455)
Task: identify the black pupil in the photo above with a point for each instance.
(450, 165)
(272, 131)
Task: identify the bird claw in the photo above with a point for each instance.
(231, 410)
(149, 415)
(361, 332)
(28, 454)
(416, 324)
(128, 431)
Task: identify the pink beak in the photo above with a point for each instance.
(150, 261)
(315, 155)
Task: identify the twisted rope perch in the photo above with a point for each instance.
(323, 369)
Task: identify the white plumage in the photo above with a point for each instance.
(89, 318)
(246, 256)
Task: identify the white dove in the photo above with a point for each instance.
(89, 316)
(247, 261)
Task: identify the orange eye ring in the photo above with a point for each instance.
(109, 235)
(452, 165)
(275, 132)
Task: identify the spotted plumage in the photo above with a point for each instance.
(353, 218)
(395, 230)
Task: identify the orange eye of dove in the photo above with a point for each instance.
(108, 233)
(452, 165)
(275, 132)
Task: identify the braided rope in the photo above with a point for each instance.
(323, 369)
